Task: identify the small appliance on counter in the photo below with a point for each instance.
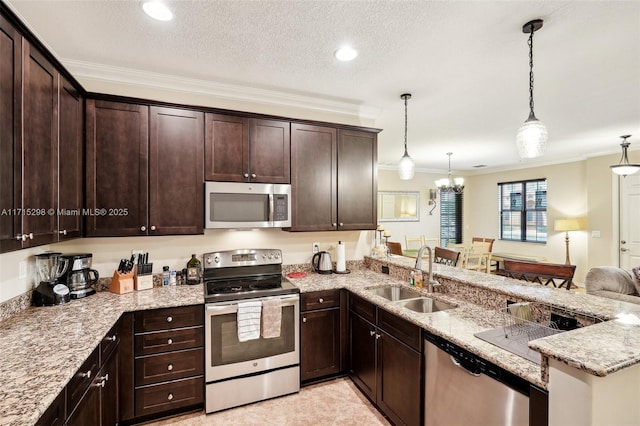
(51, 290)
(79, 277)
(321, 262)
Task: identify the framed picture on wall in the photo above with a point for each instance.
(398, 206)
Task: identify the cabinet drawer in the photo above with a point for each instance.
(170, 340)
(167, 396)
(401, 329)
(366, 310)
(54, 415)
(81, 380)
(319, 300)
(109, 342)
(165, 319)
(169, 366)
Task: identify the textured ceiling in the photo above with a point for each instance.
(465, 63)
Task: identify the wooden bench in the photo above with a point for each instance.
(542, 273)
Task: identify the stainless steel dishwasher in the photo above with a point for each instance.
(464, 389)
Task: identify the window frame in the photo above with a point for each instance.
(450, 214)
(537, 213)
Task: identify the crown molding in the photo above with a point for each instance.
(134, 77)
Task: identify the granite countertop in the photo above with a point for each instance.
(43, 347)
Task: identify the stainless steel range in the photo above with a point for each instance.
(251, 328)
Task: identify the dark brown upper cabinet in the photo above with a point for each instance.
(240, 149)
(10, 136)
(333, 179)
(144, 170)
(39, 149)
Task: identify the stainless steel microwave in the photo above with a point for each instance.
(230, 205)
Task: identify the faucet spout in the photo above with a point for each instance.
(431, 282)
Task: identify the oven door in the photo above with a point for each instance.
(227, 357)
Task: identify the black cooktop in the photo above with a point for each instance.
(247, 288)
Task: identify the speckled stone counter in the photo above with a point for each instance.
(42, 348)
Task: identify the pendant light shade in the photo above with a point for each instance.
(624, 168)
(532, 135)
(406, 166)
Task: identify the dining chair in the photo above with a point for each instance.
(413, 243)
(394, 247)
(446, 256)
(432, 242)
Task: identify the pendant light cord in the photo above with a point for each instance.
(530, 43)
(405, 125)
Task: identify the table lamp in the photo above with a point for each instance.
(566, 225)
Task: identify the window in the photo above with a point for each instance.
(450, 218)
(523, 210)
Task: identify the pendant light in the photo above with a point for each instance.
(406, 167)
(532, 135)
(624, 168)
(455, 186)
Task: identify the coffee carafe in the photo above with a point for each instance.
(80, 278)
(50, 289)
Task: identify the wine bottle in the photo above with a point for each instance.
(194, 270)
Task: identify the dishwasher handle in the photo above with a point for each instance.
(463, 367)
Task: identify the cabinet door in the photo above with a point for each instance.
(117, 169)
(88, 410)
(313, 178)
(109, 404)
(362, 336)
(269, 151)
(399, 380)
(226, 148)
(10, 135)
(71, 160)
(320, 343)
(357, 180)
(40, 149)
(176, 171)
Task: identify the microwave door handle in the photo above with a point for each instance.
(271, 197)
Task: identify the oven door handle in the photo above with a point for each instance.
(232, 307)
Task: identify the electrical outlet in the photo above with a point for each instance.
(23, 269)
(315, 247)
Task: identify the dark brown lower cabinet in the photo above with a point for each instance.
(386, 362)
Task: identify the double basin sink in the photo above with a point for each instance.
(404, 297)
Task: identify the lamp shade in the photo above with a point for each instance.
(565, 225)
(406, 167)
(532, 139)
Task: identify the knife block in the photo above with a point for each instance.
(122, 283)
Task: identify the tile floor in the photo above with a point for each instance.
(335, 402)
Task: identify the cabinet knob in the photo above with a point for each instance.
(63, 232)
(253, 175)
(104, 378)
(341, 224)
(304, 319)
(246, 175)
(170, 396)
(153, 227)
(170, 367)
(334, 224)
(100, 384)
(86, 375)
(377, 336)
(169, 319)
(143, 228)
(372, 333)
(321, 300)
(111, 338)
(19, 237)
(31, 235)
(169, 341)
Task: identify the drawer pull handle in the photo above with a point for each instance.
(372, 333)
(304, 319)
(100, 384)
(105, 378)
(169, 341)
(170, 397)
(321, 300)
(170, 367)
(111, 338)
(86, 375)
(169, 319)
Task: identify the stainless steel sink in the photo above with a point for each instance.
(394, 293)
(425, 305)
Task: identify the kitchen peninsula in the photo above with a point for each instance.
(592, 363)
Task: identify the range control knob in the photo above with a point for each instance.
(217, 259)
(208, 259)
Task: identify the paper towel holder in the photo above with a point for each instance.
(338, 255)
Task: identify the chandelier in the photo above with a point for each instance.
(624, 168)
(406, 167)
(449, 184)
(532, 135)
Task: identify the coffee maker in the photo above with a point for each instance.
(51, 289)
(80, 278)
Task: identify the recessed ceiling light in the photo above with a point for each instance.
(157, 10)
(346, 53)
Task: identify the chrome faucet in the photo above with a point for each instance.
(431, 282)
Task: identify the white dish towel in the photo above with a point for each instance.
(271, 318)
(249, 320)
